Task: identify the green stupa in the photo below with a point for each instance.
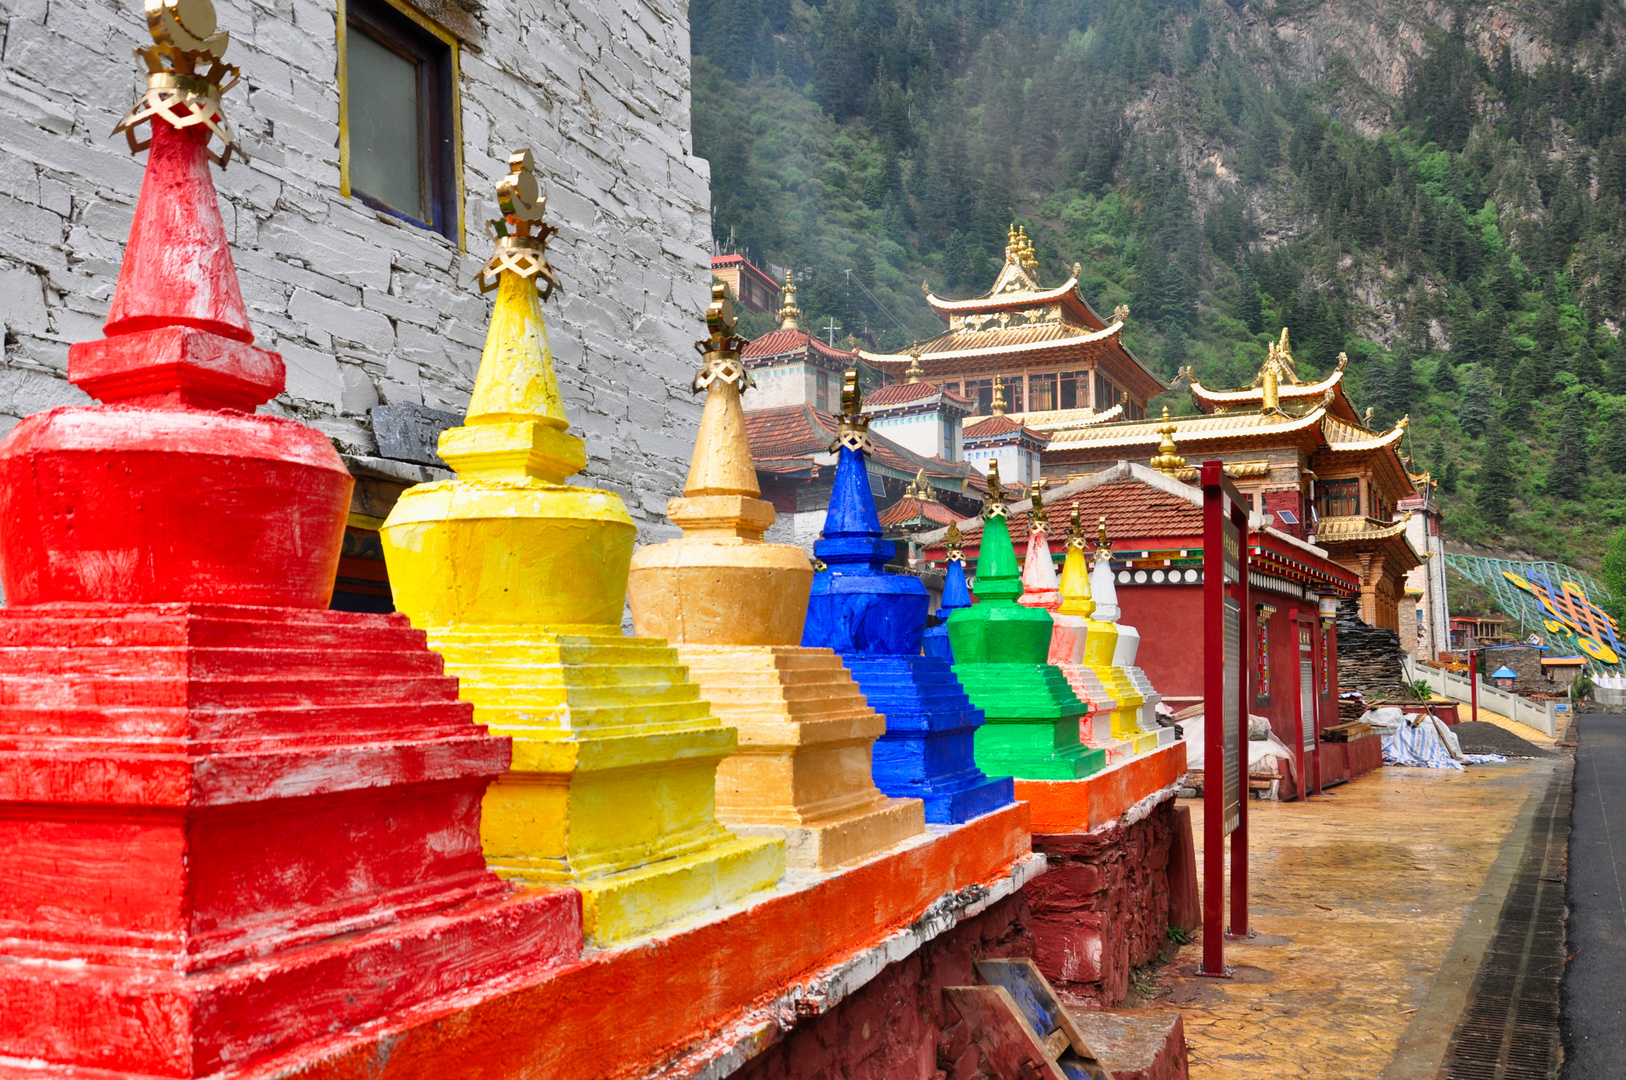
(1001, 652)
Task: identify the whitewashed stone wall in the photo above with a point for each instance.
(365, 309)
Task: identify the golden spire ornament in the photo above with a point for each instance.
(1167, 461)
(1075, 577)
(1036, 494)
(720, 351)
(1103, 545)
(994, 505)
(522, 235)
(185, 75)
(853, 432)
(997, 407)
(789, 314)
(921, 488)
(915, 372)
(953, 542)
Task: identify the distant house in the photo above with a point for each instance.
(754, 290)
(793, 367)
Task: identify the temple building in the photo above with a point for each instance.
(791, 366)
(1300, 452)
(1051, 352)
(754, 289)
(1425, 627)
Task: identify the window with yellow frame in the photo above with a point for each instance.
(400, 138)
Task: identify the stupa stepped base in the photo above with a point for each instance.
(1031, 718)
(928, 751)
(803, 771)
(306, 779)
(1096, 729)
(612, 789)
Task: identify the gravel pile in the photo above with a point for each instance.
(1480, 737)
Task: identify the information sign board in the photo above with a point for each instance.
(1231, 713)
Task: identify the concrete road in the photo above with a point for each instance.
(1593, 1010)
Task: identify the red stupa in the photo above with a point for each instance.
(234, 825)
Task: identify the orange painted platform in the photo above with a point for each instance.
(1061, 806)
(625, 1011)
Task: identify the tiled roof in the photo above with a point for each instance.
(908, 393)
(992, 427)
(1016, 297)
(1202, 428)
(1338, 529)
(910, 508)
(780, 342)
(778, 436)
(1133, 511)
(958, 344)
(1344, 436)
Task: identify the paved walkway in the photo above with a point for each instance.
(1593, 1017)
(1373, 906)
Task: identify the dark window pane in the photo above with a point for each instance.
(385, 126)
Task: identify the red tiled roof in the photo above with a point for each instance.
(1134, 511)
(800, 431)
(992, 426)
(780, 342)
(906, 393)
(910, 508)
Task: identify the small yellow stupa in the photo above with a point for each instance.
(734, 605)
(1101, 647)
(518, 579)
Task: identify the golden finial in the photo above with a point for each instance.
(1343, 361)
(953, 541)
(1013, 252)
(998, 405)
(994, 505)
(853, 432)
(1403, 422)
(789, 314)
(1103, 546)
(1120, 314)
(818, 564)
(1167, 461)
(1036, 495)
(185, 75)
(1370, 409)
(1075, 571)
(720, 349)
(1024, 250)
(1076, 536)
(915, 373)
(926, 287)
(921, 488)
(522, 235)
(1270, 399)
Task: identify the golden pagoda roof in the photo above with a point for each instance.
(1341, 435)
(1252, 395)
(1281, 371)
(1192, 428)
(1063, 419)
(1021, 337)
(1355, 527)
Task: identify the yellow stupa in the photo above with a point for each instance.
(1101, 645)
(518, 579)
(1069, 641)
(734, 606)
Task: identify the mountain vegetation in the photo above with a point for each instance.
(1437, 192)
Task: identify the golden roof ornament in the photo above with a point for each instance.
(994, 505)
(1036, 495)
(1076, 536)
(522, 235)
(789, 314)
(997, 407)
(1167, 461)
(185, 75)
(1103, 544)
(853, 432)
(720, 350)
(953, 542)
(1120, 314)
(920, 488)
(915, 372)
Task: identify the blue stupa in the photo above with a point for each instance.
(955, 595)
(876, 622)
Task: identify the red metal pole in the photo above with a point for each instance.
(1473, 681)
(1239, 838)
(1213, 722)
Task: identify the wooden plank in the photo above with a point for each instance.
(1039, 1005)
(1010, 1045)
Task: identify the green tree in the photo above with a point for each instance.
(1475, 409)
(1494, 490)
(1613, 444)
(1445, 375)
(1570, 455)
(1612, 572)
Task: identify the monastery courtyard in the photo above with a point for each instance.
(1372, 907)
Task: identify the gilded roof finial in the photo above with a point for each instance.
(720, 350)
(998, 405)
(920, 488)
(994, 505)
(1103, 545)
(789, 314)
(1076, 536)
(1013, 251)
(185, 75)
(522, 235)
(915, 372)
(1025, 256)
(1270, 400)
(853, 432)
(1367, 421)
(1343, 361)
(1167, 461)
(1120, 314)
(953, 542)
(1036, 494)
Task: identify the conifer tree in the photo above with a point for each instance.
(1449, 477)
(1570, 455)
(1475, 409)
(1493, 493)
(1613, 443)
(1445, 375)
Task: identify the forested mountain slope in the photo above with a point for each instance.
(1438, 190)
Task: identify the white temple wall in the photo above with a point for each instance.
(365, 308)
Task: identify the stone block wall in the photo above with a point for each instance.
(366, 309)
(1102, 909)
